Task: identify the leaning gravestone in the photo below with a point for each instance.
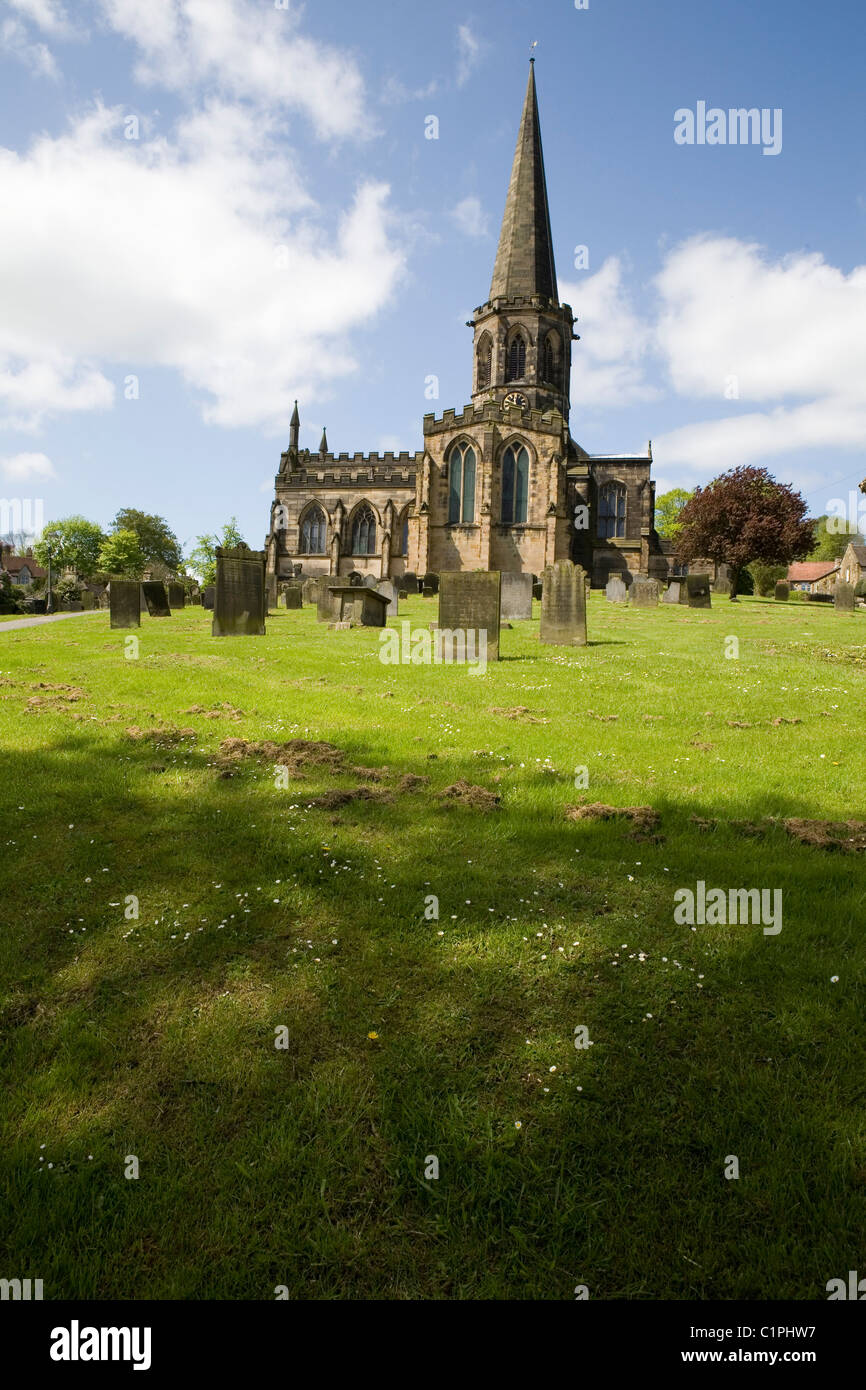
(124, 603)
(176, 596)
(469, 604)
(388, 590)
(156, 598)
(672, 592)
(782, 592)
(615, 590)
(844, 598)
(239, 601)
(563, 605)
(644, 593)
(698, 590)
(516, 597)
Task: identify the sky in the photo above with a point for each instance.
(209, 208)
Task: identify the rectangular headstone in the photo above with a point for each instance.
(844, 598)
(469, 604)
(563, 605)
(310, 591)
(358, 605)
(208, 595)
(516, 597)
(672, 592)
(782, 591)
(324, 604)
(388, 589)
(644, 593)
(293, 598)
(698, 590)
(615, 590)
(89, 600)
(124, 603)
(431, 582)
(176, 596)
(239, 601)
(156, 598)
(721, 586)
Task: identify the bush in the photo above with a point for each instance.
(765, 576)
(797, 596)
(860, 589)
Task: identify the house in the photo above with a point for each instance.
(22, 569)
(814, 576)
(852, 566)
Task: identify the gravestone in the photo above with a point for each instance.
(782, 592)
(239, 600)
(195, 597)
(142, 602)
(722, 586)
(324, 607)
(672, 592)
(428, 591)
(370, 581)
(292, 597)
(844, 598)
(124, 603)
(698, 591)
(271, 592)
(72, 605)
(469, 603)
(615, 590)
(431, 582)
(644, 593)
(355, 578)
(409, 580)
(89, 600)
(388, 589)
(176, 596)
(207, 597)
(310, 591)
(40, 605)
(356, 605)
(537, 588)
(563, 606)
(516, 597)
(156, 598)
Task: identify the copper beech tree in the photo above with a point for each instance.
(745, 515)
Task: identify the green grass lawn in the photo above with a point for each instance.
(265, 907)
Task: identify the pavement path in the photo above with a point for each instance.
(47, 618)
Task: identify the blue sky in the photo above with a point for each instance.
(281, 227)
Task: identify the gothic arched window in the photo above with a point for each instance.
(516, 365)
(364, 531)
(461, 484)
(313, 532)
(515, 484)
(611, 511)
(404, 534)
(484, 358)
(552, 369)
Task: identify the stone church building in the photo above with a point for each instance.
(500, 485)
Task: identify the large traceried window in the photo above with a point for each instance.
(364, 532)
(515, 484)
(313, 532)
(611, 511)
(461, 484)
(484, 361)
(516, 362)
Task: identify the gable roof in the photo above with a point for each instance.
(809, 570)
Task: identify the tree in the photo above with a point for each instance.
(668, 509)
(74, 544)
(158, 542)
(122, 555)
(764, 576)
(745, 515)
(831, 545)
(202, 557)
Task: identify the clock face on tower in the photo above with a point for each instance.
(516, 398)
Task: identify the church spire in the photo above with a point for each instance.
(524, 260)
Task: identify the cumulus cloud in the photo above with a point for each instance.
(470, 217)
(609, 363)
(36, 56)
(48, 15)
(202, 253)
(24, 468)
(469, 51)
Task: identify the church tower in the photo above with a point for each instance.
(523, 335)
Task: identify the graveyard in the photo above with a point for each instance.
(362, 979)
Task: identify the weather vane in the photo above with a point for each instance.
(533, 45)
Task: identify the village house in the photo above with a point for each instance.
(814, 576)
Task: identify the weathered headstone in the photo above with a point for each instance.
(516, 597)
(563, 605)
(844, 598)
(698, 590)
(721, 586)
(370, 581)
(239, 601)
(324, 606)
(672, 592)
(310, 591)
(355, 578)
(292, 597)
(208, 595)
(644, 593)
(782, 592)
(388, 589)
(124, 603)
(89, 600)
(431, 582)
(615, 590)
(156, 598)
(409, 580)
(356, 605)
(469, 604)
(176, 596)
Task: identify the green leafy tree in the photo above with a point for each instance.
(202, 557)
(668, 509)
(74, 543)
(158, 543)
(831, 545)
(122, 555)
(764, 576)
(742, 516)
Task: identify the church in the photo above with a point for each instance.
(499, 485)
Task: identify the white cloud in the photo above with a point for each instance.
(202, 254)
(22, 468)
(470, 217)
(49, 15)
(469, 52)
(15, 40)
(610, 361)
(241, 49)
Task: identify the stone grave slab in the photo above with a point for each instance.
(357, 605)
(563, 605)
(124, 603)
(176, 596)
(469, 603)
(615, 590)
(156, 598)
(698, 591)
(782, 591)
(644, 593)
(843, 598)
(240, 597)
(672, 592)
(516, 597)
(388, 589)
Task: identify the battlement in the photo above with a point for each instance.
(307, 460)
(542, 421)
(537, 303)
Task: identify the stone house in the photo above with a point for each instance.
(22, 569)
(852, 566)
(500, 484)
(814, 576)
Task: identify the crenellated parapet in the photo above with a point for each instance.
(493, 412)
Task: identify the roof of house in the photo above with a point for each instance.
(859, 553)
(15, 563)
(810, 570)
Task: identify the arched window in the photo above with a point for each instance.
(611, 510)
(461, 484)
(516, 366)
(404, 534)
(552, 369)
(364, 532)
(484, 360)
(515, 484)
(313, 532)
